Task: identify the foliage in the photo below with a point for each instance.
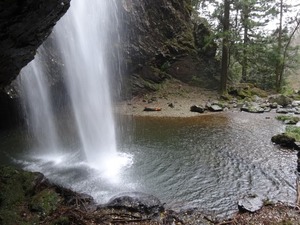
(288, 118)
(260, 52)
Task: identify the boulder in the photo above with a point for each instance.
(252, 108)
(136, 201)
(215, 108)
(282, 111)
(274, 105)
(267, 109)
(250, 203)
(280, 100)
(295, 103)
(285, 141)
(197, 108)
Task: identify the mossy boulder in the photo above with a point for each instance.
(45, 202)
(287, 119)
(16, 186)
(246, 90)
(252, 107)
(280, 100)
(285, 140)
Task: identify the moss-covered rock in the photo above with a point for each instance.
(285, 140)
(45, 202)
(280, 99)
(288, 119)
(246, 90)
(16, 186)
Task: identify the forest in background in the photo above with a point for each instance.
(257, 41)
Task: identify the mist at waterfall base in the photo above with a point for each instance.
(207, 162)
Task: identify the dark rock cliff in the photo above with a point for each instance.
(161, 40)
(24, 25)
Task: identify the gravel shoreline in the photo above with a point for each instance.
(174, 99)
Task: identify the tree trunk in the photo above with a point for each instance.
(279, 66)
(225, 48)
(245, 42)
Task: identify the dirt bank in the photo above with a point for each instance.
(174, 99)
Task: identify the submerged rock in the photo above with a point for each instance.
(250, 203)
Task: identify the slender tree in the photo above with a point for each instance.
(245, 23)
(225, 46)
(279, 66)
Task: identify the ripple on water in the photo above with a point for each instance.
(207, 162)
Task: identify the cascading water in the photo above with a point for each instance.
(84, 41)
(38, 105)
(82, 37)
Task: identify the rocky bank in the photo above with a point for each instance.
(29, 198)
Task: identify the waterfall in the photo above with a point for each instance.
(84, 39)
(38, 106)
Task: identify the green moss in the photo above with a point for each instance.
(293, 131)
(187, 39)
(259, 92)
(159, 72)
(244, 93)
(183, 43)
(45, 202)
(293, 119)
(246, 90)
(15, 186)
(286, 90)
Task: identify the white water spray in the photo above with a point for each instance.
(82, 36)
(38, 105)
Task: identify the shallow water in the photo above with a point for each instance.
(207, 162)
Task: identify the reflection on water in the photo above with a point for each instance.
(207, 162)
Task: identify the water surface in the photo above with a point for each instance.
(207, 162)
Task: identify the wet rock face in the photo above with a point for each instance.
(160, 40)
(136, 201)
(250, 203)
(24, 25)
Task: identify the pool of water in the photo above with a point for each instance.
(207, 162)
